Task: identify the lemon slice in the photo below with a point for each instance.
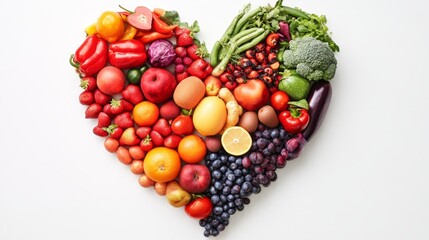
(236, 141)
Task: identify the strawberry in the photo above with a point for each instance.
(88, 83)
(99, 131)
(184, 39)
(86, 98)
(129, 137)
(197, 51)
(181, 53)
(180, 30)
(146, 144)
(181, 76)
(116, 107)
(157, 138)
(128, 107)
(163, 127)
(124, 120)
(143, 132)
(185, 35)
(133, 94)
(93, 110)
(114, 131)
(101, 98)
(107, 108)
(103, 120)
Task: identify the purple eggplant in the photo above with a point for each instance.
(318, 100)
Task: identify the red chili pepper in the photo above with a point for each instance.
(91, 56)
(160, 26)
(294, 120)
(200, 68)
(154, 35)
(127, 53)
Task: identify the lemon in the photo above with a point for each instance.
(236, 140)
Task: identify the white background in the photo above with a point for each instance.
(364, 175)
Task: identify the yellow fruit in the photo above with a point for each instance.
(236, 140)
(209, 116)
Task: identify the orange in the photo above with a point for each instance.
(145, 113)
(162, 164)
(192, 149)
(236, 140)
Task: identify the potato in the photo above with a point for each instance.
(268, 116)
(249, 121)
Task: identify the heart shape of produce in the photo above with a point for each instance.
(206, 130)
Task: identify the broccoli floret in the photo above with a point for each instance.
(312, 59)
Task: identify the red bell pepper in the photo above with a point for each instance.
(200, 68)
(127, 54)
(294, 120)
(91, 56)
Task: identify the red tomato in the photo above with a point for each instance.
(111, 80)
(252, 95)
(199, 208)
(182, 125)
(279, 101)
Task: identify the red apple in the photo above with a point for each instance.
(213, 85)
(158, 85)
(252, 95)
(194, 178)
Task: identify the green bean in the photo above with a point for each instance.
(248, 45)
(214, 55)
(295, 12)
(246, 18)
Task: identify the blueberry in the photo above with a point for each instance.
(231, 211)
(220, 227)
(216, 174)
(218, 185)
(225, 215)
(217, 210)
(213, 156)
(231, 159)
(231, 177)
(213, 190)
(239, 181)
(223, 169)
(215, 199)
(233, 166)
(235, 189)
(216, 163)
(226, 190)
(247, 186)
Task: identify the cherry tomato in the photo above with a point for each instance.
(279, 100)
(182, 125)
(272, 39)
(199, 208)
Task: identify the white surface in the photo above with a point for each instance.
(364, 176)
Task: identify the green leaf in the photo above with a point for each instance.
(301, 103)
